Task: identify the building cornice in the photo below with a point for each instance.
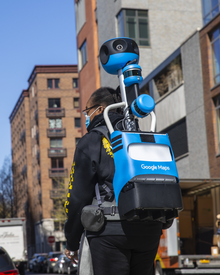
(42, 69)
(51, 69)
(24, 93)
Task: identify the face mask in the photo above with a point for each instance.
(87, 120)
(88, 117)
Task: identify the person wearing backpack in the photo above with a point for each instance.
(119, 246)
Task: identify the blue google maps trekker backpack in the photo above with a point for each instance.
(146, 182)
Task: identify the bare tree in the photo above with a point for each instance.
(60, 194)
(19, 190)
(6, 190)
(11, 193)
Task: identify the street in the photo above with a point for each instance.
(34, 273)
(38, 273)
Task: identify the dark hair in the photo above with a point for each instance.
(106, 96)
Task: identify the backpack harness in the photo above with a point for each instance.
(107, 202)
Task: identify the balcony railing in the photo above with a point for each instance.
(57, 152)
(56, 132)
(55, 112)
(58, 173)
(57, 193)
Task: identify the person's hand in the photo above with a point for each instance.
(72, 255)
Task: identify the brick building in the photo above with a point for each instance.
(88, 51)
(158, 27)
(45, 128)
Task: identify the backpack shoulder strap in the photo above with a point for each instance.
(104, 131)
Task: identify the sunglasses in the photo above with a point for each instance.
(86, 110)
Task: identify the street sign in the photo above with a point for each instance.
(51, 240)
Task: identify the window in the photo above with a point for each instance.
(77, 122)
(210, 9)
(83, 55)
(6, 263)
(49, 83)
(54, 102)
(178, 137)
(62, 224)
(76, 102)
(134, 24)
(56, 143)
(217, 112)
(75, 83)
(57, 163)
(80, 14)
(32, 90)
(169, 78)
(55, 123)
(215, 45)
(53, 83)
(56, 226)
(77, 140)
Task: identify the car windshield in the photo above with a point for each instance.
(55, 255)
(5, 262)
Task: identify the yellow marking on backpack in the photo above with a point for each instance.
(107, 146)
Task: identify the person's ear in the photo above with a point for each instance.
(101, 109)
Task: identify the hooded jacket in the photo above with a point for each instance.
(93, 163)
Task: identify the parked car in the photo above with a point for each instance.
(51, 260)
(64, 265)
(58, 268)
(18, 251)
(70, 267)
(33, 260)
(40, 263)
(6, 264)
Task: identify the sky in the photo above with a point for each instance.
(32, 32)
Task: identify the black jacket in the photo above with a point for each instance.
(93, 162)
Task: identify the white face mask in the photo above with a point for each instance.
(88, 117)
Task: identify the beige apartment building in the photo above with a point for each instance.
(45, 128)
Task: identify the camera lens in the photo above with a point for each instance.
(120, 45)
(135, 47)
(104, 54)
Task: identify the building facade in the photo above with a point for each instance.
(45, 128)
(21, 157)
(179, 55)
(158, 27)
(88, 51)
(186, 89)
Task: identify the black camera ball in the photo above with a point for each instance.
(117, 52)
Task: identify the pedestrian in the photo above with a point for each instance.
(120, 247)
